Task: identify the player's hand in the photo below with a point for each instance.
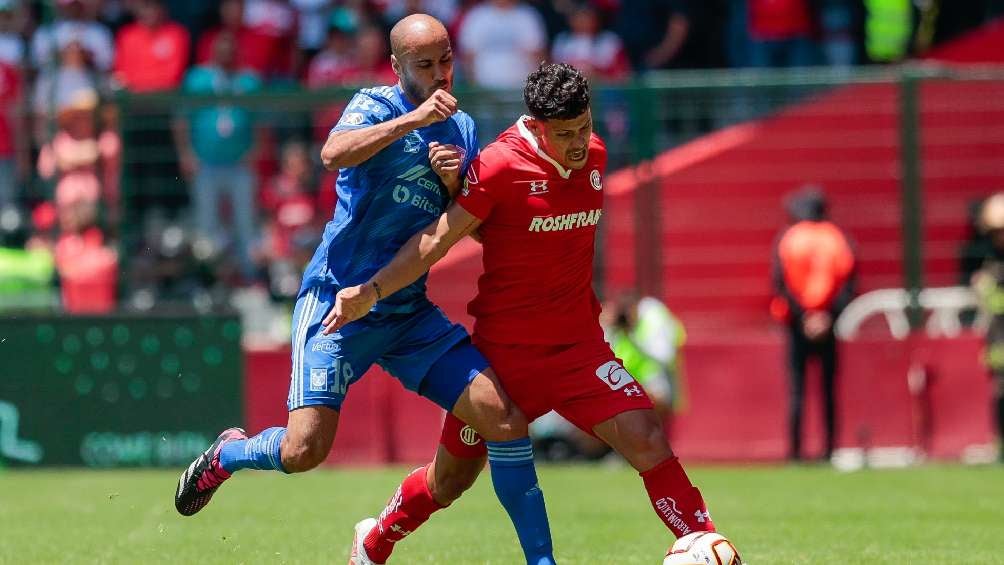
(446, 160)
(440, 106)
(351, 303)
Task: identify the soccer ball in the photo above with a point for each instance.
(703, 548)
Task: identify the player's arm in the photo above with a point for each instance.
(413, 260)
(348, 148)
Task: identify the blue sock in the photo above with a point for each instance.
(515, 480)
(258, 452)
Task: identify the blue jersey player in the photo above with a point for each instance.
(401, 153)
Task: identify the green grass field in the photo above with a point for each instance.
(776, 515)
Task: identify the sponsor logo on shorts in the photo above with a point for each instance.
(615, 376)
(469, 436)
(319, 379)
(325, 346)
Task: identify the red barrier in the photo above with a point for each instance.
(737, 403)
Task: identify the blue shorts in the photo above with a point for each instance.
(423, 349)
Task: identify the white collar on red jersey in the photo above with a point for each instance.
(529, 137)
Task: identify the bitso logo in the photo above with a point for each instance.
(469, 436)
(401, 194)
(615, 376)
(594, 179)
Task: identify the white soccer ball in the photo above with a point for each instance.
(703, 548)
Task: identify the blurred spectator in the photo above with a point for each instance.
(215, 146)
(838, 26)
(289, 203)
(312, 22)
(252, 46)
(654, 31)
(11, 42)
(12, 142)
(56, 88)
(813, 274)
(598, 53)
(26, 271)
(443, 10)
(888, 28)
(88, 268)
(275, 22)
(177, 268)
(781, 33)
(647, 338)
(500, 42)
(989, 285)
(371, 64)
(152, 53)
(74, 25)
(329, 65)
(77, 157)
(977, 245)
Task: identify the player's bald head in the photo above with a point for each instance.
(415, 32)
(421, 56)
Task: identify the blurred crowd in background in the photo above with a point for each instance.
(249, 206)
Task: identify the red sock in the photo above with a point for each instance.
(676, 500)
(408, 509)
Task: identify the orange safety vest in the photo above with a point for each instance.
(816, 260)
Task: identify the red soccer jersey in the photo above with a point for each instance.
(538, 231)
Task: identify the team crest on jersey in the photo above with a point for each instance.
(595, 180)
(413, 142)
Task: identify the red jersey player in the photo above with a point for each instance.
(535, 196)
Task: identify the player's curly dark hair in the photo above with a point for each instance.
(556, 91)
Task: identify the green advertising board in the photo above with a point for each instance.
(116, 391)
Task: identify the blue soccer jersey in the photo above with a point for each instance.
(385, 200)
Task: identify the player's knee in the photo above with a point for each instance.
(646, 445)
(504, 422)
(299, 455)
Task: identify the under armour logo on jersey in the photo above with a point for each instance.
(632, 390)
(536, 186)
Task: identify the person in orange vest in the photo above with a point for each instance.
(813, 275)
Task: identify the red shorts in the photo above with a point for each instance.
(583, 382)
